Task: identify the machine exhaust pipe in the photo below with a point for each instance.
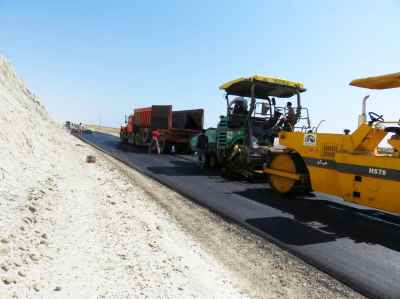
(362, 119)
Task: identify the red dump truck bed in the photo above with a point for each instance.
(162, 117)
(156, 116)
(176, 127)
(142, 116)
(188, 119)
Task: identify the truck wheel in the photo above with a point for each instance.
(167, 148)
(182, 149)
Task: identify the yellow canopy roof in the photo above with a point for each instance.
(378, 82)
(265, 86)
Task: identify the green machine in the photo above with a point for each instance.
(240, 144)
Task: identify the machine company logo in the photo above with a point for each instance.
(310, 139)
(377, 171)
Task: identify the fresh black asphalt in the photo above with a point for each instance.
(359, 247)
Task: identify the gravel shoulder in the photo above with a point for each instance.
(90, 232)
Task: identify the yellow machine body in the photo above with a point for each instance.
(346, 165)
(349, 167)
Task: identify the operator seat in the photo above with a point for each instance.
(238, 118)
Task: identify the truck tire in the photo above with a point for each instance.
(165, 147)
(182, 149)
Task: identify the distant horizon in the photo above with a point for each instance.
(94, 62)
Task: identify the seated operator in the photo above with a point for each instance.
(240, 105)
(291, 117)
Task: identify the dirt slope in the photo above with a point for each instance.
(78, 230)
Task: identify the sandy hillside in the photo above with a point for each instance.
(69, 229)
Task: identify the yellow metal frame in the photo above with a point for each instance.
(284, 174)
(347, 166)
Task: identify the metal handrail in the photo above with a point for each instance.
(300, 117)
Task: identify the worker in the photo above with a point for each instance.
(291, 115)
(240, 105)
(202, 145)
(291, 118)
(155, 135)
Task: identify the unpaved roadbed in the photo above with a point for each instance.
(96, 234)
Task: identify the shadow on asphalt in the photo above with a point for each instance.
(323, 221)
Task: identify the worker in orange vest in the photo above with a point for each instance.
(155, 135)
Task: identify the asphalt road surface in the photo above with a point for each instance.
(358, 246)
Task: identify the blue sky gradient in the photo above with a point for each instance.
(94, 61)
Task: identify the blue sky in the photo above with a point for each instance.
(94, 61)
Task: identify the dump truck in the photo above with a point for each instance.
(176, 127)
